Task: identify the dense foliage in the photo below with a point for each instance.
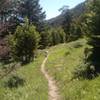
(24, 42)
(90, 22)
(83, 20)
(33, 11)
(95, 30)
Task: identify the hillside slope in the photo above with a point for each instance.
(35, 86)
(63, 60)
(76, 12)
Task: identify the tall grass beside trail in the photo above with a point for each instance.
(62, 61)
(35, 86)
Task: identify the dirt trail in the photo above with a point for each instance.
(53, 89)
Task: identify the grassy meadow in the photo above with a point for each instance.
(63, 60)
(35, 86)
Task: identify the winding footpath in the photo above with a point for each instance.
(53, 89)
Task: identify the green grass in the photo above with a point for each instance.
(62, 61)
(35, 87)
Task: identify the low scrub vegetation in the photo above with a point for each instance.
(15, 82)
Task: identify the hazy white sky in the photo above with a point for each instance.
(51, 6)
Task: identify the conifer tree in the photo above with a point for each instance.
(24, 42)
(32, 10)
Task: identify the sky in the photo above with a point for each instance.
(52, 6)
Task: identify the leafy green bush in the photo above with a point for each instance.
(67, 53)
(58, 35)
(24, 43)
(86, 71)
(15, 82)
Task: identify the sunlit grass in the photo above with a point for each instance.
(63, 60)
(35, 87)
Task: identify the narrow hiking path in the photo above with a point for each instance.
(53, 89)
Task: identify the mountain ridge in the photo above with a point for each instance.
(76, 12)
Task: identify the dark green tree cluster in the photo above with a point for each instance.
(75, 30)
(66, 24)
(52, 36)
(45, 35)
(90, 26)
(32, 10)
(14, 11)
(71, 25)
(57, 36)
(95, 31)
(25, 38)
(24, 42)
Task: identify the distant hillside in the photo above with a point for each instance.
(76, 12)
